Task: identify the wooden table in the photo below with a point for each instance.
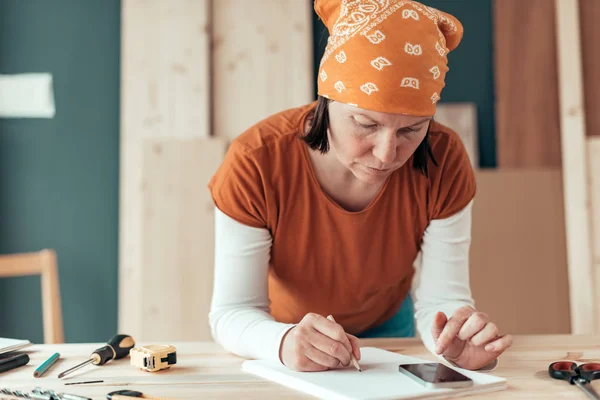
(204, 370)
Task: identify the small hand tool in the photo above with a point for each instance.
(118, 347)
(153, 357)
(7, 364)
(580, 375)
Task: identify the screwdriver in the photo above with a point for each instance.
(118, 347)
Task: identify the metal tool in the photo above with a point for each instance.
(580, 375)
(16, 393)
(154, 357)
(83, 383)
(42, 394)
(118, 347)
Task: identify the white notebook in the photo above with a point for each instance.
(379, 379)
(8, 345)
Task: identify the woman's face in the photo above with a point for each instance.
(373, 144)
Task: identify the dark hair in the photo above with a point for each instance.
(316, 137)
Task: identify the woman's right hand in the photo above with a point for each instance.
(318, 344)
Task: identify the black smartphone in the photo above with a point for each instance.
(435, 375)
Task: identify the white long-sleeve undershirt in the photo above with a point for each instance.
(239, 315)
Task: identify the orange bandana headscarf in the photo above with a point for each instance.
(386, 55)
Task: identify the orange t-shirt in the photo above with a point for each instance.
(357, 266)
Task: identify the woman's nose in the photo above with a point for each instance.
(385, 150)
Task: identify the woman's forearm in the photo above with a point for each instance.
(239, 315)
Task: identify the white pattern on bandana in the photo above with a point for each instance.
(410, 83)
(341, 57)
(413, 49)
(380, 62)
(369, 88)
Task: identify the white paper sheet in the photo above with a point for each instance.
(7, 345)
(379, 379)
(26, 96)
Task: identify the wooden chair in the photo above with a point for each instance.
(40, 263)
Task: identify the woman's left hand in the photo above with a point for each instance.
(468, 338)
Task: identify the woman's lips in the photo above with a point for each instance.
(377, 170)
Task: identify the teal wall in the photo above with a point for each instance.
(471, 66)
(59, 177)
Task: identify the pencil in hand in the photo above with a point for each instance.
(352, 359)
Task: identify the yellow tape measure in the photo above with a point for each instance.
(154, 357)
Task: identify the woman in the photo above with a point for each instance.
(322, 210)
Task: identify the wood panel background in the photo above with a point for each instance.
(191, 70)
(518, 251)
(526, 82)
(575, 168)
(527, 117)
(164, 94)
(531, 111)
(594, 183)
(262, 61)
(178, 237)
(462, 118)
(196, 68)
(589, 14)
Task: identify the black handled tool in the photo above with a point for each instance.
(580, 375)
(13, 362)
(117, 347)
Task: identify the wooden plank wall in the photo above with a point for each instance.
(192, 69)
(525, 57)
(462, 118)
(518, 243)
(527, 77)
(589, 12)
(195, 74)
(164, 94)
(263, 62)
(575, 169)
(594, 184)
(527, 117)
(178, 237)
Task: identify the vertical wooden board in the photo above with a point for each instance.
(527, 110)
(519, 246)
(165, 67)
(462, 118)
(575, 169)
(262, 61)
(164, 92)
(589, 11)
(594, 168)
(178, 237)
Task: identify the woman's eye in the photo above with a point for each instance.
(411, 130)
(365, 126)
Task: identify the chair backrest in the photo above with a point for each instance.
(41, 263)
